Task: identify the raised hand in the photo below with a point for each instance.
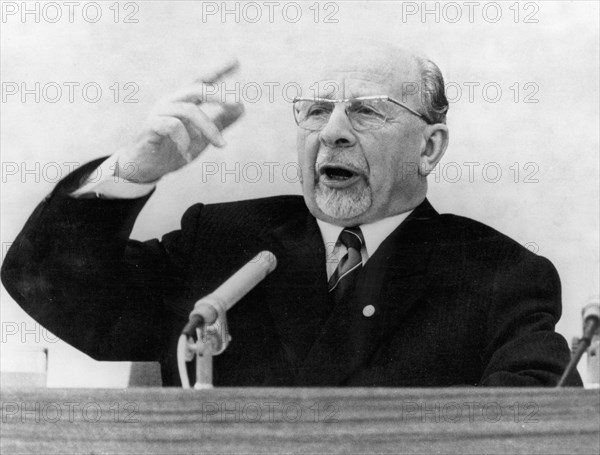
(178, 129)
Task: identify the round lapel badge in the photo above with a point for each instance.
(368, 311)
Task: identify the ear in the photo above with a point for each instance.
(435, 138)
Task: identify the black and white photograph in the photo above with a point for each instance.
(300, 227)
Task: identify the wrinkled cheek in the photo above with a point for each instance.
(306, 169)
(303, 163)
(308, 148)
(305, 139)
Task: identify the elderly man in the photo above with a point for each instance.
(407, 298)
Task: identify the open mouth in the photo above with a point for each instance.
(338, 173)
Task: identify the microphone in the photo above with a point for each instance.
(230, 292)
(591, 333)
(591, 321)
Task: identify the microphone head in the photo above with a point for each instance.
(592, 309)
(266, 260)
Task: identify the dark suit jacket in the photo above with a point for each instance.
(456, 302)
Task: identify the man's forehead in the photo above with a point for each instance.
(348, 84)
(364, 71)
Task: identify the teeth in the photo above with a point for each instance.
(337, 177)
(336, 173)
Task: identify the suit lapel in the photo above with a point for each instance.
(296, 291)
(392, 281)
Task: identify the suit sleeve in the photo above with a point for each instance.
(522, 347)
(75, 271)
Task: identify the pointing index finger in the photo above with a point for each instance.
(214, 75)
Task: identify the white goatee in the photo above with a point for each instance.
(343, 203)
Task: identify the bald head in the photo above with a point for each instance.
(385, 59)
(410, 78)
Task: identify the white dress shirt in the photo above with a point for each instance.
(104, 183)
(373, 233)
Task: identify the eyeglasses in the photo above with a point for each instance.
(364, 113)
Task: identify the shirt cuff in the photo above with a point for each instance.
(104, 184)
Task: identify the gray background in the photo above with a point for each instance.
(556, 214)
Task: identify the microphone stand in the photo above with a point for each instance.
(584, 343)
(202, 341)
(206, 334)
(591, 321)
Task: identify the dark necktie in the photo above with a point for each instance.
(342, 281)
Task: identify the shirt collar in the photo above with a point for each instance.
(374, 233)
